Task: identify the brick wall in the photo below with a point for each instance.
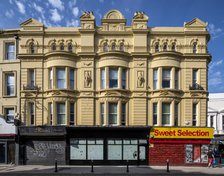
(161, 152)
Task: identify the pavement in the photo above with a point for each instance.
(23, 170)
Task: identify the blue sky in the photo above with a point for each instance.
(160, 12)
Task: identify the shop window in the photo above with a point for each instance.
(50, 106)
(123, 114)
(82, 149)
(114, 149)
(9, 115)
(166, 78)
(124, 77)
(72, 114)
(177, 77)
(165, 113)
(60, 73)
(113, 78)
(10, 51)
(102, 111)
(10, 84)
(196, 153)
(72, 81)
(61, 114)
(130, 148)
(211, 121)
(155, 78)
(194, 115)
(157, 47)
(32, 113)
(103, 81)
(154, 113)
(194, 48)
(50, 78)
(112, 114)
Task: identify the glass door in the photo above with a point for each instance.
(142, 154)
(3, 152)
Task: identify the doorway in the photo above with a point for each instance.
(3, 152)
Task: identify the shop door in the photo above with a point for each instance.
(142, 153)
(2, 152)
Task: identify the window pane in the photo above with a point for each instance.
(194, 79)
(114, 152)
(10, 51)
(112, 113)
(102, 113)
(9, 113)
(95, 152)
(72, 115)
(60, 78)
(10, 82)
(113, 76)
(123, 115)
(165, 113)
(51, 113)
(50, 78)
(188, 153)
(166, 78)
(123, 78)
(72, 79)
(60, 113)
(155, 78)
(176, 79)
(32, 113)
(130, 152)
(103, 82)
(176, 114)
(194, 118)
(77, 152)
(154, 113)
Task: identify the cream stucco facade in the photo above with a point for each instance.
(111, 74)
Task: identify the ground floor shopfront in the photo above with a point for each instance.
(83, 145)
(180, 146)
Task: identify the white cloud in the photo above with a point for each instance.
(71, 4)
(57, 4)
(215, 79)
(55, 16)
(75, 11)
(215, 32)
(38, 8)
(73, 23)
(21, 7)
(9, 13)
(215, 64)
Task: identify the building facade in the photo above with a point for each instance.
(112, 76)
(216, 119)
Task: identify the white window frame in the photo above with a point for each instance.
(168, 114)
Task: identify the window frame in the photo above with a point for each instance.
(61, 113)
(155, 79)
(6, 50)
(12, 115)
(155, 114)
(168, 114)
(6, 74)
(111, 81)
(166, 79)
(194, 114)
(32, 113)
(110, 114)
(58, 80)
(72, 114)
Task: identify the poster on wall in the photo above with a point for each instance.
(204, 151)
(188, 153)
(197, 154)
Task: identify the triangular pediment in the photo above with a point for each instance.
(196, 22)
(31, 22)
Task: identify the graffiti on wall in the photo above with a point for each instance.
(43, 149)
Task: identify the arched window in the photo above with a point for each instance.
(165, 47)
(53, 47)
(121, 46)
(157, 47)
(113, 47)
(62, 47)
(70, 48)
(173, 48)
(105, 47)
(194, 47)
(31, 48)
